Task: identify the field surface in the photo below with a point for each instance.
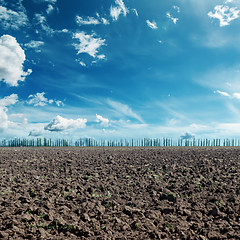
(120, 193)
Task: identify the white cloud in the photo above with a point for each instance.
(42, 22)
(152, 24)
(12, 58)
(225, 14)
(83, 64)
(117, 10)
(223, 93)
(172, 18)
(105, 21)
(35, 45)
(61, 124)
(49, 9)
(187, 136)
(176, 8)
(136, 12)
(91, 20)
(103, 121)
(88, 44)
(87, 21)
(35, 133)
(101, 56)
(236, 95)
(9, 100)
(4, 103)
(11, 19)
(40, 100)
(3, 119)
(124, 109)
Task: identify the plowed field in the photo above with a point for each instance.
(120, 193)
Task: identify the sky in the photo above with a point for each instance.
(110, 69)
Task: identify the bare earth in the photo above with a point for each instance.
(120, 193)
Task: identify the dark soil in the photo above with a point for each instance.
(120, 193)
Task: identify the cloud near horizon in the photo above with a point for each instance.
(59, 124)
(4, 103)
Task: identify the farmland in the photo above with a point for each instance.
(120, 193)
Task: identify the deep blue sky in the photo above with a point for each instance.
(119, 68)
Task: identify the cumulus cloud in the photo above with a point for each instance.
(224, 14)
(187, 136)
(59, 124)
(10, 19)
(172, 18)
(9, 100)
(12, 58)
(124, 109)
(119, 9)
(4, 103)
(152, 24)
(40, 100)
(88, 44)
(103, 121)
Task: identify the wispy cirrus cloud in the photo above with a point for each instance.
(124, 110)
(89, 44)
(91, 20)
(152, 25)
(34, 45)
(225, 94)
(87, 21)
(224, 14)
(118, 9)
(136, 12)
